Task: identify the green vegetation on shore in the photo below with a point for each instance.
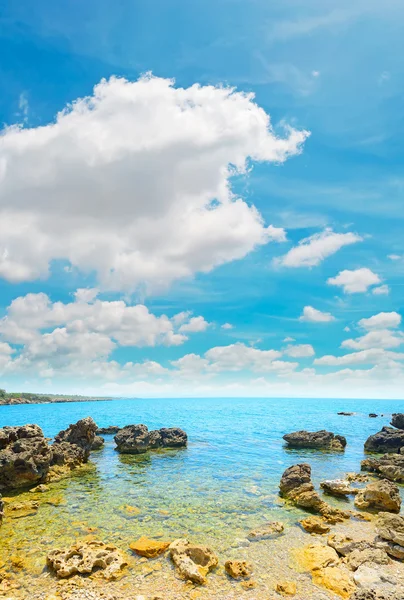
(30, 398)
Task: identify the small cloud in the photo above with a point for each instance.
(300, 351)
(289, 339)
(315, 73)
(347, 328)
(383, 77)
(382, 290)
(316, 316)
(394, 257)
(227, 326)
(23, 107)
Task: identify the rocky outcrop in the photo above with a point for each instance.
(97, 443)
(358, 557)
(238, 569)
(81, 434)
(390, 529)
(397, 420)
(137, 439)
(338, 487)
(386, 440)
(323, 440)
(111, 430)
(149, 548)
(315, 524)
(377, 595)
(389, 466)
(87, 557)
(296, 486)
(193, 562)
(379, 495)
(267, 531)
(25, 456)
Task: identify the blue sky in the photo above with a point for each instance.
(153, 198)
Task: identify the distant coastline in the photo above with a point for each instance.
(13, 398)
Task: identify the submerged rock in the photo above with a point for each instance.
(373, 415)
(238, 569)
(397, 420)
(386, 440)
(86, 557)
(149, 548)
(338, 487)
(323, 440)
(267, 531)
(111, 430)
(389, 466)
(379, 495)
(97, 443)
(193, 562)
(18, 510)
(137, 439)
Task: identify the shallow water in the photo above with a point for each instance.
(216, 490)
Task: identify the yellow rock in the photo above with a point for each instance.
(195, 594)
(22, 509)
(249, 585)
(238, 569)
(334, 579)
(315, 525)
(316, 556)
(17, 562)
(148, 548)
(286, 588)
(129, 511)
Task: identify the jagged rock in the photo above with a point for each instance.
(97, 443)
(391, 528)
(149, 548)
(25, 456)
(79, 434)
(136, 439)
(377, 595)
(397, 420)
(286, 588)
(379, 495)
(374, 577)
(85, 557)
(345, 544)
(357, 477)
(315, 525)
(338, 487)
(267, 531)
(324, 440)
(335, 579)
(359, 557)
(386, 440)
(346, 414)
(193, 562)
(238, 569)
(389, 466)
(317, 556)
(111, 430)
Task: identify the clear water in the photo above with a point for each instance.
(216, 490)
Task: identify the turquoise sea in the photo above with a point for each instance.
(222, 485)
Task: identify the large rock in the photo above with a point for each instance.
(80, 434)
(314, 524)
(338, 487)
(110, 430)
(397, 420)
(87, 557)
(360, 557)
(379, 495)
(386, 440)
(97, 443)
(137, 439)
(193, 562)
(25, 456)
(323, 440)
(267, 531)
(335, 579)
(149, 548)
(344, 544)
(377, 595)
(390, 529)
(389, 466)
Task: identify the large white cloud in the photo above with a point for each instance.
(381, 338)
(313, 315)
(370, 356)
(133, 183)
(353, 282)
(383, 320)
(313, 250)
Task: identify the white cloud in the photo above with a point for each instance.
(381, 290)
(236, 357)
(133, 183)
(355, 281)
(315, 316)
(347, 328)
(289, 339)
(394, 257)
(382, 338)
(227, 326)
(300, 351)
(86, 294)
(194, 325)
(370, 356)
(383, 320)
(313, 250)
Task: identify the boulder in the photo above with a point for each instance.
(379, 495)
(110, 430)
(238, 569)
(357, 477)
(149, 548)
(317, 556)
(338, 487)
(386, 440)
(390, 528)
(193, 562)
(345, 544)
(84, 558)
(346, 414)
(80, 434)
(137, 439)
(323, 440)
(373, 415)
(397, 420)
(97, 443)
(335, 579)
(267, 531)
(315, 524)
(286, 588)
(25, 456)
(389, 466)
(364, 556)
(364, 594)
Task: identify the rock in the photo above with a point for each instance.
(1, 509)
(267, 531)
(193, 562)
(389, 466)
(238, 569)
(369, 577)
(386, 440)
(359, 477)
(397, 420)
(324, 440)
(173, 437)
(391, 529)
(335, 579)
(367, 555)
(149, 548)
(372, 415)
(376, 595)
(97, 443)
(317, 556)
(136, 439)
(111, 430)
(18, 510)
(338, 487)
(286, 588)
(346, 414)
(25, 456)
(315, 525)
(86, 557)
(345, 544)
(40, 489)
(81, 435)
(379, 495)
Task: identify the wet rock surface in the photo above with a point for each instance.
(149, 548)
(87, 557)
(98, 443)
(323, 440)
(193, 562)
(389, 466)
(315, 524)
(379, 495)
(266, 531)
(386, 440)
(338, 487)
(238, 569)
(397, 420)
(80, 434)
(137, 439)
(110, 430)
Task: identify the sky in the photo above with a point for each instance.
(202, 198)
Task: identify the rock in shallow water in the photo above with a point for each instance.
(193, 562)
(85, 558)
(110, 430)
(390, 466)
(323, 440)
(386, 440)
(338, 487)
(137, 439)
(397, 420)
(97, 443)
(149, 548)
(266, 531)
(379, 495)
(238, 569)
(315, 525)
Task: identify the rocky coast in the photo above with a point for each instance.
(342, 538)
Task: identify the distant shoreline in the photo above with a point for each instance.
(49, 400)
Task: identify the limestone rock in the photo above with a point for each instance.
(149, 548)
(80, 434)
(193, 562)
(238, 569)
(111, 430)
(386, 440)
(40, 489)
(335, 579)
(390, 466)
(315, 524)
(85, 557)
(377, 595)
(18, 510)
(345, 544)
(97, 443)
(390, 528)
(317, 556)
(324, 440)
(137, 439)
(357, 477)
(379, 495)
(397, 420)
(368, 555)
(338, 487)
(286, 588)
(267, 531)
(370, 577)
